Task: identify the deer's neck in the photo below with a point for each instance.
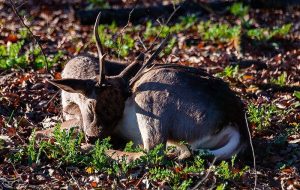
(111, 109)
(127, 128)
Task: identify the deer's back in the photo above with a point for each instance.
(188, 101)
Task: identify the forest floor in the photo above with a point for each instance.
(257, 51)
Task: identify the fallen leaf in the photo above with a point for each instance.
(94, 184)
(11, 131)
(12, 38)
(287, 170)
(89, 170)
(248, 77)
(57, 75)
(178, 169)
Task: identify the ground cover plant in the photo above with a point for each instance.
(255, 50)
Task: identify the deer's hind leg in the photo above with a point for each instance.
(151, 131)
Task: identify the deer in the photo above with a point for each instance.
(153, 103)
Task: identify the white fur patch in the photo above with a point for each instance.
(128, 126)
(229, 149)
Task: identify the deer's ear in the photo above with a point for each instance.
(82, 86)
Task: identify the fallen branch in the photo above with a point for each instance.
(278, 88)
(119, 15)
(270, 4)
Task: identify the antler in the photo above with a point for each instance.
(100, 50)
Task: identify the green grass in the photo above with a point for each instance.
(12, 55)
(98, 3)
(261, 115)
(121, 44)
(185, 23)
(64, 150)
(217, 32)
(239, 10)
(265, 34)
(15, 55)
(172, 177)
(280, 80)
(229, 72)
(297, 94)
(226, 170)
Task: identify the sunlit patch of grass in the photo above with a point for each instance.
(170, 176)
(261, 115)
(265, 34)
(297, 94)
(64, 149)
(12, 55)
(162, 31)
(98, 3)
(217, 32)
(122, 44)
(280, 80)
(229, 72)
(239, 9)
(227, 171)
(221, 186)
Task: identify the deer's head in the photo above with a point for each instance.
(101, 99)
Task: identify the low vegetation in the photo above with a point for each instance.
(65, 150)
(15, 55)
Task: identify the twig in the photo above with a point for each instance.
(253, 153)
(141, 41)
(122, 30)
(76, 182)
(33, 36)
(207, 174)
(52, 98)
(170, 17)
(158, 50)
(128, 21)
(150, 60)
(140, 180)
(22, 3)
(173, 13)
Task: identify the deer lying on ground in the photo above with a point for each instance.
(166, 103)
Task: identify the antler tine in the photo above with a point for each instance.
(100, 50)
